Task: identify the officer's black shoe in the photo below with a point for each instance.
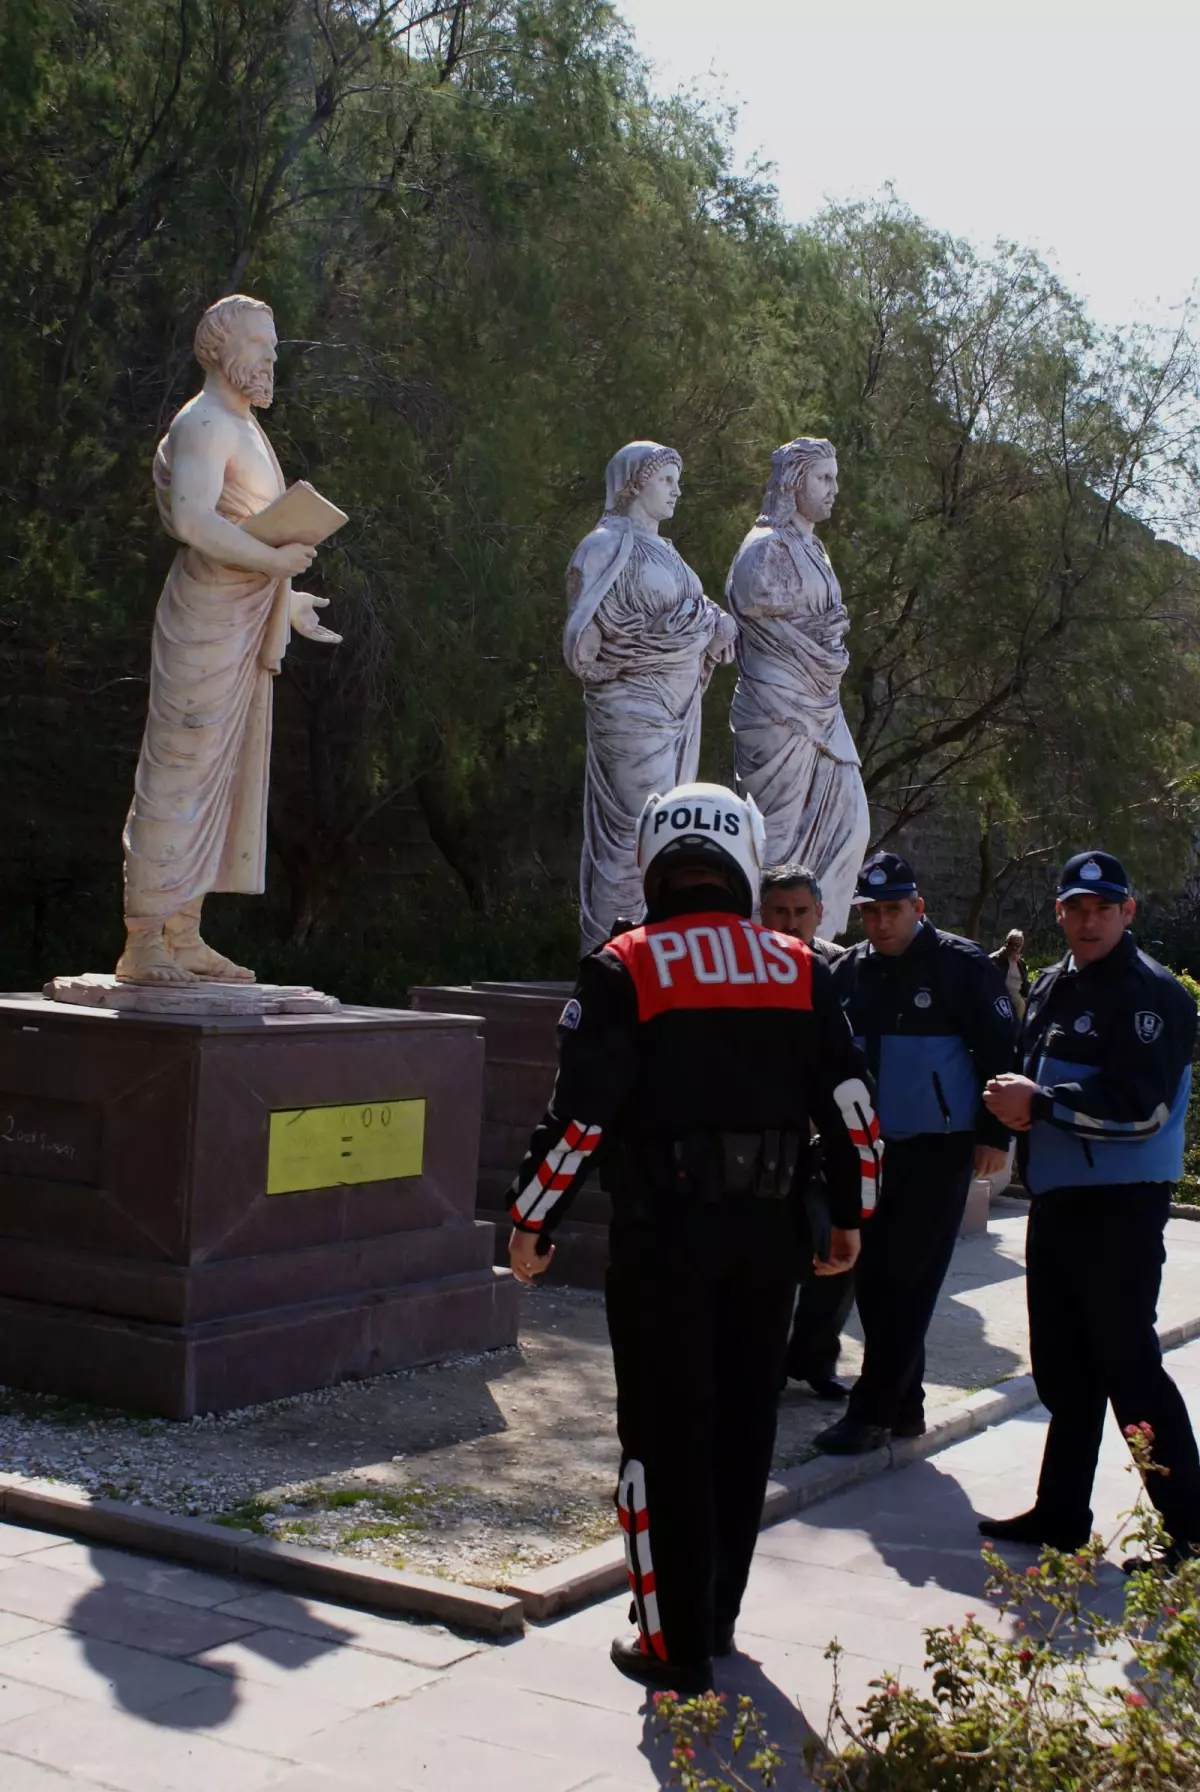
(1037, 1529)
(628, 1654)
(849, 1437)
(827, 1387)
(723, 1643)
(1165, 1562)
(909, 1427)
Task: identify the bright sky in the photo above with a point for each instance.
(1072, 126)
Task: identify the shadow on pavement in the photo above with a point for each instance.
(144, 1642)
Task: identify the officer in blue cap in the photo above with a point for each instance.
(934, 1018)
(1106, 1050)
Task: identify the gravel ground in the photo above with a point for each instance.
(493, 1464)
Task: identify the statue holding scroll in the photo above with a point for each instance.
(198, 820)
(793, 751)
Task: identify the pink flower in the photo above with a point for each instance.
(1025, 1657)
(1170, 1611)
(1135, 1698)
(1032, 1573)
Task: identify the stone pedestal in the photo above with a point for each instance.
(144, 1263)
(519, 1021)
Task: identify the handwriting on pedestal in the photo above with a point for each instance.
(331, 1147)
(49, 1139)
(12, 1134)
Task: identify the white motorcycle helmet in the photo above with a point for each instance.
(702, 824)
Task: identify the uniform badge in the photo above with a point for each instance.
(571, 1015)
(922, 999)
(878, 876)
(1083, 1023)
(1003, 1007)
(1091, 872)
(1148, 1025)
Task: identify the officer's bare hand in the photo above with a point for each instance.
(989, 1161)
(844, 1245)
(1009, 1098)
(523, 1258)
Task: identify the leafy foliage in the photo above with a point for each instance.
(1022, 1709)
(495, 255)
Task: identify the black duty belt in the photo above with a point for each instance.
(710, 1166)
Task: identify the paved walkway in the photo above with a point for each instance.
(123, 1672)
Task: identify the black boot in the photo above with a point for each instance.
(634, 1661)
(723, 1643)
(1038, 1529)
(827, 1387)
(849, 1437)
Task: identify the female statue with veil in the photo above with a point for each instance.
(643, 639)
(793, 751)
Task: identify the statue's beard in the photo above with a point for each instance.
(255, 380)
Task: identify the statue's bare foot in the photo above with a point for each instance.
(200, 961)
(149, 962)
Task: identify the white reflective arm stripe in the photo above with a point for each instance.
(1116, 1130)
(859, 1118)
(555, 1174)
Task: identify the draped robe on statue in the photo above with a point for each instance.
(642, 692)
(793, 751)
(198, 820)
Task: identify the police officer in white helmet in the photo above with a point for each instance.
(695, 1055)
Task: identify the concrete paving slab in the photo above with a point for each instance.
(113, 1612)
(273, 1720)
(19, 1700)
(100, 1565)
(96, 1746)
(27, 1776)
(305, 1664)
(425, 1645)
(379, 1750)
(105, 1673)
(17, 1540)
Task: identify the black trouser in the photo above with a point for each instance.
(698, 1299)
(822, 1309)
(907, 1245)
(1094, 1262)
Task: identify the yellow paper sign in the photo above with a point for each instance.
(373, 1141)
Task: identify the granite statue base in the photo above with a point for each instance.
(519, 1021)
(143, 1262)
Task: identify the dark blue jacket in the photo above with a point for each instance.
(935, 1024)
(1110, 1046)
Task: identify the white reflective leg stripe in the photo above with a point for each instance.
(635, 1523)
(859, 1118)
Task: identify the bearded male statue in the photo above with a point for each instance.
(198, 820)
(793, 751)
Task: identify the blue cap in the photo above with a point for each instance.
(1093, 874)
(885, 877)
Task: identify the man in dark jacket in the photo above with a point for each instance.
(696, 1053)
(1099, 1109)
(790, 902)
(933, 1017)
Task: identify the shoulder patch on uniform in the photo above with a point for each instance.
(571, 1015)
(1147, 1025)
(1003, 1007)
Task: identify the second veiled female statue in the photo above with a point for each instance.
(793, 751)
(643, 639)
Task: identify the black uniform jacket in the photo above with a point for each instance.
(700, 1022)
(1110, 1046)
(935, 1023)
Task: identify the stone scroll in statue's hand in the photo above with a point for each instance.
(302, 514)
